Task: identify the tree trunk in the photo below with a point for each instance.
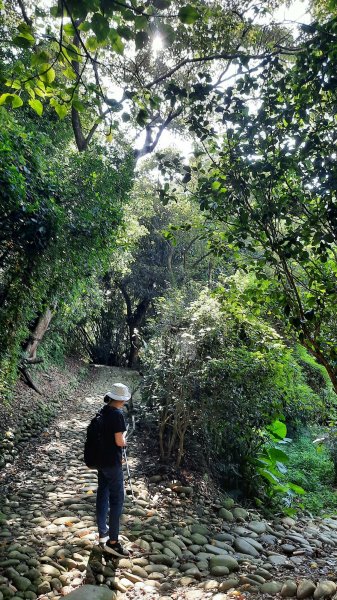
(38, 333)
(134, 347)
(134, 320)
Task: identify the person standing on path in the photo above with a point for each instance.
(110, 491)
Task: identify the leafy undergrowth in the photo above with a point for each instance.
(311, 466)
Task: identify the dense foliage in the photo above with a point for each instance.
(216, 378)
(272, 181)
(60, 220)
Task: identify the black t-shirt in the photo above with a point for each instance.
(112, 422)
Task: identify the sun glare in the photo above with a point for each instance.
(157, 44)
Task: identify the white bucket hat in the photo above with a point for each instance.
(120, 392)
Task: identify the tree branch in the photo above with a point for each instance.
(24, 13)
(150, 145)
(217, 56)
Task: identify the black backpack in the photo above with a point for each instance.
(93, 442)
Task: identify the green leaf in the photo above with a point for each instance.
(39, 92)
(128, 14)
(56, 11)
(37, 106)
(100, 26)
(73, 53)
(92, 43)
(14, 84)
(141, 22)
(277, 429)
(4, 98)
(116, 42)
(108, 6)
(297, 489)
(60, 109)
(24, 40)
(85, 26)
(69, 73)
(269, 476)
(125, 32)
(188, 14)
(142, 117)
(69, 29)
(277, 455)
(78, 105)
(40, 58)
(141, 39)
(47, 73)
(24, 28)
(16, 101)
(167, 33)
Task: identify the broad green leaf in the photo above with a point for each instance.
(188, 14)
(30, 90)
(39, 92)
(15, 84)
(100, 26)
(60, 109)
(277, 429)
(16, 101)
(47, 73)
(56, 11)
(141, 22)
(73, 53)
(297, 489)
(37, 106)
(167, 33)
(4, 98)
(128, 15)
(69, 73)
(269, 476)
(92, 43)
(277, 455)
(125, 32)
(69, 29)
(116, 42)
(109, 137)
(24, 40)
(40, 58)
(142, 117)
(78, 105)
(24, 28)
(85, 26)
(141, 39)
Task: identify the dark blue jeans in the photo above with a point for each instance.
(109, 500)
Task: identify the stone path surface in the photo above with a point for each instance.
(185, 543)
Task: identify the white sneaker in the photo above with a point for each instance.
(104, 538)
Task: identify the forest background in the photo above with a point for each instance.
(215, 273)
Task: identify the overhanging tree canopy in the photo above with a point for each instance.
(95, 60)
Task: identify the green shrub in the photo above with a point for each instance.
(215, 378)
(310, 463)
(311, 466)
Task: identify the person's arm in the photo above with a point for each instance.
(120, 439)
